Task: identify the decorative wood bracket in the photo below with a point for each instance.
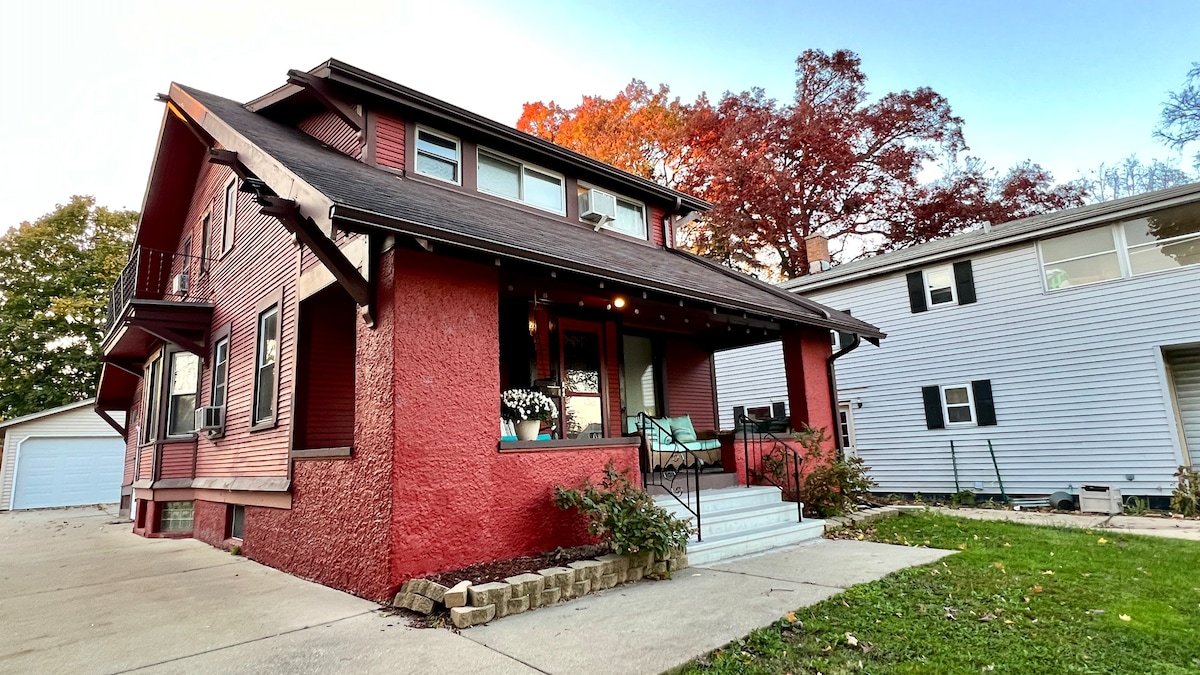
(307, 232)
(320, 89)
(111, 422)
(131, 368)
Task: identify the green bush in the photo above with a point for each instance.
(621, 514)
(835, 485)
(962, 498)
(1185, 500)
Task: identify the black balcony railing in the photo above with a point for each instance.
(157, 275)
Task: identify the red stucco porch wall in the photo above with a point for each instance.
(456, 499)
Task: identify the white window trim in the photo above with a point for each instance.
(970, 403)
(480, 150)
(224, 384)
(929, 304)
(1122, 250)
(259, 343)
(228, 214)
(445, 137)
(622, 198)
(835, 340)
(170, 376)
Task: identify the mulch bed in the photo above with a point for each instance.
(499, 570)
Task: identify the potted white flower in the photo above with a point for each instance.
(526, 409)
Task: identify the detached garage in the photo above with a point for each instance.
(65, 456)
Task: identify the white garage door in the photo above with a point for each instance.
(68, 472)
(1185, 374)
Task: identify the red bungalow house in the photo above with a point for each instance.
(343, 275)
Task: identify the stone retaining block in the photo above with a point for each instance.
(557, 577)
(417, 603)
(494, 593)
(456, 596)
(465, 617)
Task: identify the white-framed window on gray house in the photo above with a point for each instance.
(1080, 258)
(509, 178)
(941, 286)
(1163, 240)
(959, 405)
(439, 156)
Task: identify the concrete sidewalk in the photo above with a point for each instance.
(1173, 528)
(80, 594)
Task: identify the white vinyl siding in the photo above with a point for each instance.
(80, 423)
(1079, 383)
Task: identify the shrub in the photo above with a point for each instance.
(962, 498)
(1185, 500)
(833, 487)
(624, 516)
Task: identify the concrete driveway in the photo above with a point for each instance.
(79, 594)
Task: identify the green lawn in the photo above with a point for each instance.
(1016, 599)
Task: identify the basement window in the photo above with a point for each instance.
(237, 520)
(177, 516)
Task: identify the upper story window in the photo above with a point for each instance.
(1163, 240)
(231, 190)
(628, 216)
(941, 286)
(439, 156)
(508, 178)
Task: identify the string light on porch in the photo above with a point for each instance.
(618, 302)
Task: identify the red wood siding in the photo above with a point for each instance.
(146, 464)
(334, 132)
(389, 141)
(325, 371)
(177, 460)
(654, 218)
(688, 378)
(612, 368)
(262, 261)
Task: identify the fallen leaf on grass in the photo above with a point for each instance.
(791, 617)
(1125, 617)
(1095, 611)
(1037, 589)
(1048, 573)
(851, 640)
(1102, 541)
(988, 618)
(950, 613)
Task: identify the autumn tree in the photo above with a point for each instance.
(1180, 120)
(55, 277)
(640, 130)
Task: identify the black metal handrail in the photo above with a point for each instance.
(149, 274)
(771, 452)
(679, 459)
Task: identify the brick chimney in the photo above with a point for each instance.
(817, 248)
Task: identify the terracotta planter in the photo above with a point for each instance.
(527, 430)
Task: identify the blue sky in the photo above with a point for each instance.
(1069, 85)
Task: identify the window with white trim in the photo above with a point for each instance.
(939, 286)
(153, 385)
(220, 372)
(1163, 240)
(957, 405)
(266, 387)
(1080, 258)
(508, 178)
(439, 156)
(231, 192)
(183, 381)
(631, 215)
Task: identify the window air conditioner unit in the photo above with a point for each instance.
(597, 207)
(179, 283)
(210, 418)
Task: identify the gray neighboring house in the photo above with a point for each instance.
(1071, 341)
(64, 456)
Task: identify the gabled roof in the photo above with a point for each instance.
(1005, 234)
(46, 413)
(363, 195)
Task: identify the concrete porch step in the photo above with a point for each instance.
(718, 547)
(725, 499)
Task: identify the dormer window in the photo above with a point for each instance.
(438, 156)
(630, 215)
(508, 178)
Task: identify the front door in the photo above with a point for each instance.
(582, 351)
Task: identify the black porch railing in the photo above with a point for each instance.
(157, 275)
(668, 464)
(777, 462)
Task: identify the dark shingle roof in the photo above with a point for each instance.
(370, 195)
(999, 235)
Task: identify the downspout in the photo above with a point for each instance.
(833, 388)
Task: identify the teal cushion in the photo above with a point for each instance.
(705, 444)
(682, 429)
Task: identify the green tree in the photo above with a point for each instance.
(55, 278)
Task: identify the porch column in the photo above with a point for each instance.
(805, 350)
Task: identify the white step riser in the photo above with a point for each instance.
(723, 500)
(750, 521)
(704, 553)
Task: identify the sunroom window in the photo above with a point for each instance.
(510, 179)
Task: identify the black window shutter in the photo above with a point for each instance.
(916, 292)
(964, 282)
(985, 407)
(933, 407)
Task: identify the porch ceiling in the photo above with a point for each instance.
(144, 323)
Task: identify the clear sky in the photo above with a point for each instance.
(1067, 84)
